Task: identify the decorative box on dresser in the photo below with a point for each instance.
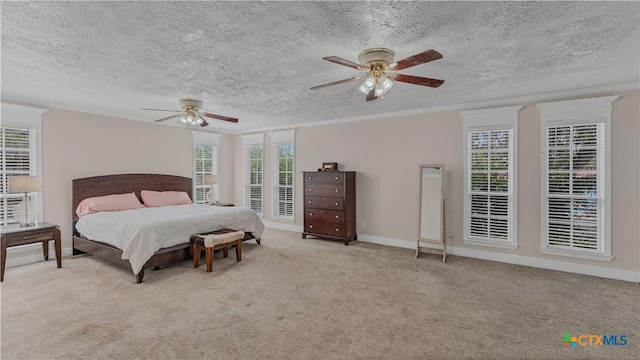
(330, 205)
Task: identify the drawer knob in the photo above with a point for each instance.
(310, 189)
(309, 201)
(310, 214)
(337, 229)
(337, 190)
(337, 178)
(337, 204)
(309, 177)
(310, 227)
(337, 217)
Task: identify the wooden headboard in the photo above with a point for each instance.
(125, 183)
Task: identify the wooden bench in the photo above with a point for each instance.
(221, 239)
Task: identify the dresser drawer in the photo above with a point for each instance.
(324, 189)
(328, 216)
(325, 228)
(28, 237)
(324, 202)
(324, 177)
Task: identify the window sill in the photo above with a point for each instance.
(281, 218)
(575, 254)
(490, 244)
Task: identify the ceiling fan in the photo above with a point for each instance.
(192, 113)
(380, 71)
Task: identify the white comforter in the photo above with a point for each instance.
(139, 233)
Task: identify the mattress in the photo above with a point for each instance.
(139, 233)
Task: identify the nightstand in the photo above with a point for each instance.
(14, 235)
(223, 204)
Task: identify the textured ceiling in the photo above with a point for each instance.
(257, 60)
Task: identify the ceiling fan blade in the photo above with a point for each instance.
(417, 80)
(220, 117)
(371, 95)
(337, 82)
(341, 61)
(423, 57)
(204, 122)
(167, 118)
(161, 110)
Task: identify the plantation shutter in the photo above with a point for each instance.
(18, 157)
(254, 172)
(255, 162)
(205, 164)
(489, 185)
(284, 187)
(575, 186)
(283, 196)
(576, 177)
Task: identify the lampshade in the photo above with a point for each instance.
(24, 184)
(190, 119)
(368, 85)
(210, 179)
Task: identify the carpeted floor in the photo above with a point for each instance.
(313, 299)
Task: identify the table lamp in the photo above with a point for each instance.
(211, 195)
(25, 212)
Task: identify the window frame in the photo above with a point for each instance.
(277, 139)
(250, 142)
(496, 119)
(571, 113)
(210, 140)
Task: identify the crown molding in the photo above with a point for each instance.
(558, 95)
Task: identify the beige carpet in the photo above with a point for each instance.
(312, 299)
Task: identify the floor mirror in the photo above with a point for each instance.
(431, 210)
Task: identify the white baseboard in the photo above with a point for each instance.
(29, 254)
(609, 273)
(387, 241)
(281, 226)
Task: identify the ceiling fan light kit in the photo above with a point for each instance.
(192, 114)
(381, 71)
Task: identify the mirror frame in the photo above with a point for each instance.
(442, 239)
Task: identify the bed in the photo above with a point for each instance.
(126, 183)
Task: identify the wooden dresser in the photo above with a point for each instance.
(330, 205)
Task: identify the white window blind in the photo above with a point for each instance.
(254, 182)
(284, 185)
(206, 160)
(254, 172)
(576, 187)
(283, 145)
(490, 184)
(18, 157)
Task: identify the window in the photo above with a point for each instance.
(254, 161)
(490, 187)
(18, 157)
(283, 147)
(576, 187)
(205, 163)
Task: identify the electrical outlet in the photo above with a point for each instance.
(450, 234)
(362, 223)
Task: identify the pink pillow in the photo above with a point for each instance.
(108, 203)
(164, 198)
